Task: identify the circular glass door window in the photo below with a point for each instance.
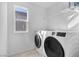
(37, 41)
(53, 48)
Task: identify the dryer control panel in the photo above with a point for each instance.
(53, 33)
(61, 34)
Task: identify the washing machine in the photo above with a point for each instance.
(51, 43)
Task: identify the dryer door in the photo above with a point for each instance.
(53, 48)
(37, 41)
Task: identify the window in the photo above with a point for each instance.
(73, 4)
(21, 19)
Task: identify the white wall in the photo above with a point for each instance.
(75, 28)
(3, 29)
(56, 20)
(20, 42)
(73, 25)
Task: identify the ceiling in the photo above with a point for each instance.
(45, 4)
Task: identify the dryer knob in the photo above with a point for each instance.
(53, 33)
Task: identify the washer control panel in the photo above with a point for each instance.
(61, 34)
(53, 33)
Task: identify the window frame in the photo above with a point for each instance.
(27, 20)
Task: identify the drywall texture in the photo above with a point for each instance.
(57, 20)
(21, 42)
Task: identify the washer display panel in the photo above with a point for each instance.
(53, 48)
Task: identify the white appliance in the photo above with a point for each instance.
(51, 43)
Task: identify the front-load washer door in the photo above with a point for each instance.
(37, 41)
(53, 48)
